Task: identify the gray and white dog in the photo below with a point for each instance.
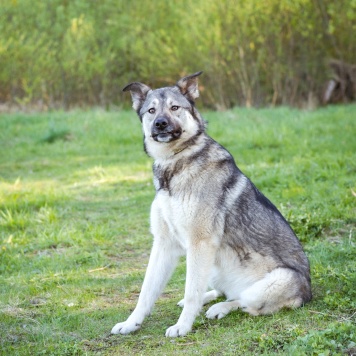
(235, 240)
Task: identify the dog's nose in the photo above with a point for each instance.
(160, 123)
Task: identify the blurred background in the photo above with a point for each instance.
(59, 54)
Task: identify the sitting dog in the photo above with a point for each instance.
(235, 240)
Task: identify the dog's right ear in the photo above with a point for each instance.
(138, 93)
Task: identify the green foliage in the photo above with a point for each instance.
(74, 233)
(60, 53)
(56, 133)
(336, 339)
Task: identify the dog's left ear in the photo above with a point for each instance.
(138, 93)
(188, 86)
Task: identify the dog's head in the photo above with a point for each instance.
(168, 114)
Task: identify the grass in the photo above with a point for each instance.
(75, 192)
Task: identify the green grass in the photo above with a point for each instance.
(75, 193)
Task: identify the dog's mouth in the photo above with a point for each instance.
(167, 136)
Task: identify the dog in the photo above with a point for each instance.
(235, 240)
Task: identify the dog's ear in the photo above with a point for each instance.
(138, 93)
(188, 86)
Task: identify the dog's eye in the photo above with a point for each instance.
(152, 110)
(174, 108)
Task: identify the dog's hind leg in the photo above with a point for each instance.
(219, 310)
(208, 297)
(279, 288)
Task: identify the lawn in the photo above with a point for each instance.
(75, 194)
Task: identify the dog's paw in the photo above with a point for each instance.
(126, 327)
(181, 303)
(178, 330)
(217, 311)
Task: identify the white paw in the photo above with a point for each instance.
(178, 330)
(126, 327)
(181, 303)
(217, 311)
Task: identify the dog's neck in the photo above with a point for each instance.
(167, 156)
(180, 150)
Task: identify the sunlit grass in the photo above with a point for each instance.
(74, 232)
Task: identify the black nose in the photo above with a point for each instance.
(161, 123)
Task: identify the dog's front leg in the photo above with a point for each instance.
(200, 259)
(162, 262)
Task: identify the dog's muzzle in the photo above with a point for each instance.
(163, 130)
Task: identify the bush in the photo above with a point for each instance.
(61, 53)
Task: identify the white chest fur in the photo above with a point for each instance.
(173, 216)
